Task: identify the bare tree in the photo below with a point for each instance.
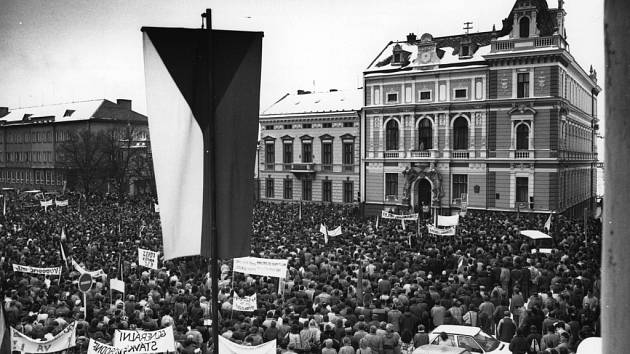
(86, 157)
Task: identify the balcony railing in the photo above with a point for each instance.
(521, 154)
(348, 168)
(529, 43)
(270, 166)
(392, 154)
(303, 166)
(327, 167)
(461, 154)
(421, 154)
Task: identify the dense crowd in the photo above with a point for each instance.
(373, 289)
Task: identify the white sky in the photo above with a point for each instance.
(71, 50)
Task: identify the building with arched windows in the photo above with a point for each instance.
(309, 148)
(497, 120)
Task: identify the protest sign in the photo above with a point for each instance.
(261, 266)
(409, 217)
(95, 274)
(228, 347)
(137, 341)
(117, 285)
(35, 270)
(448, 220)
(147, 258)
(156, 207)
(101, 348)
(245, 304)
(61, 203)
(62, 341)
(441, 232)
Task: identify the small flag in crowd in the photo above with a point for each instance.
(300, 213)
(63, 234)
(402, 222)
(376, 222)
(63, 254)
(548, 223)
(117, 285)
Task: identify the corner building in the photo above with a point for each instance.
(310, 147)
(498, 120)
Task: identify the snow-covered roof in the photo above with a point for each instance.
(80, 111)
(317, 102)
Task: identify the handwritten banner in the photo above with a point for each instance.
(35, 270)
(410, 217)
(62, 341)
(101, 348)
(61, 203)
(158, 341)
(147, 258)
(95, 274)
(448, 220)
(441, 232)
(245, 304)
(228, 347)
(261, 266)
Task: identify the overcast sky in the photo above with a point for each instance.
(72, 50)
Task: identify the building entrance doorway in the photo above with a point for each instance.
(423, 187)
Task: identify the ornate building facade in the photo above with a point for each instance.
(497, 120)
(309, 149)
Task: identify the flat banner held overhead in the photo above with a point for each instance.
(441, 232)
(36, 270)
(147, 258)
(261, 266)
(228, 347)
(101, 348)
(62, 341)
(409, 217)
(158, 341)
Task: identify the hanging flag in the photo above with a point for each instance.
(5, 334)
(548, 223)
(203, 91)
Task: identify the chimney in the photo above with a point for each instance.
(4, 111)
(125, 104)
(411, 38)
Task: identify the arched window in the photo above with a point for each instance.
(425, 134)
(522, 137)
(524, 27)
(460, 136)
(391, 135)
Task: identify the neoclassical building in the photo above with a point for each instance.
(498, 120)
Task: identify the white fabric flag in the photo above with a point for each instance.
(117, 285)
(335, 232)
(548, 223)
(228, 347)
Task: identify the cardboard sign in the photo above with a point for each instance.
(137, 341)
(261, 266)
(147, 258)
(36, 270)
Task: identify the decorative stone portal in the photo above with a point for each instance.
(422, 185)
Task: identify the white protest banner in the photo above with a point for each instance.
(156, 207)
(147, 258)
(245, 304)
(46, 203)
(335, 232)
(228, 347)
(35, 270)
(261, 266)
(441, 232)
(410, 217)
(158, 341)
(117, 285)
(95, 274)
(101, 348)
(447, 220)
(62, 341)
(61, 203)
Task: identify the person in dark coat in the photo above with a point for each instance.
(518, 344)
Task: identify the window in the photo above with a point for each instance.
(465, 51)
(397, 58)
(268, 127)
(522, 137)
(391, 184)
(327, 125)
(392, 97)
(270, 155)
(461, 93)
(348, 124)
(307, 189)
(425, 95)
(469, 344)
(460, 130)
(524, 27)
(327, 156)
(288, 126)
(348, 156)
(269, 186)
(522, 89)
(307, 151)
(377, 96)
(288, 189)
(522, 189)
(307, 126)
(287, 154)
(391, 138)
(326, 191)
(425, 134)
(348, 192)
(460, 185)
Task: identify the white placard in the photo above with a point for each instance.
(138, 341)
(147, 258)
(261, 266)
(245, 303)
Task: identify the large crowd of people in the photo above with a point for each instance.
(374, 289)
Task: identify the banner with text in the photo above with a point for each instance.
(35, 270)
(448, 220)
(101, 348)
(410, 217)
(441, 232)
(61, 203)
(228, 347)
(158, 341)
(62, 341)
(261, 266)
(46, 203)
(245, 303)
(147, 258)
(95, 274)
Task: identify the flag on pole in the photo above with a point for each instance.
(118, 285)
(198, 79)
(548, 224)
(63, 254)
(5, 333)
(4, 205)
(300, 212)
(402, 222)
(376, 222)
(63, 233)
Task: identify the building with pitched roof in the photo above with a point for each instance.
(309, 147)
(498, 120)
(30, 139)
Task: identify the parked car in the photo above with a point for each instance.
(439, 349)
(471, 338)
